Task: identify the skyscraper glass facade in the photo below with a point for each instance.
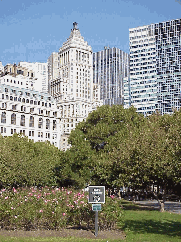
(110, 66)
(155, 68)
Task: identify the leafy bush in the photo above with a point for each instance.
(25, 163)
(54, 208)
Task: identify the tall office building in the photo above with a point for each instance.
(110, 66)
(155, 68)
(74, 90)
(53, 68)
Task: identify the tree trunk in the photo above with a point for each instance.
(162, 205)
(162, 202)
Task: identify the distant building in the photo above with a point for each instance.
(155, 68)
(30, 113)
(18, 81)
(110, 66)
(40, 74)
(53, 68)
(74, 90)
(36, 73)
(14, 70)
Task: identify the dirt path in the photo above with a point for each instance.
(78, 233)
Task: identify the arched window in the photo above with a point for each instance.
(3, 117)
(47, 124)
(13, 118)
(22, 121)
(31, 121)
(40, 123)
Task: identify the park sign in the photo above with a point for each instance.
(96, 194)
(96, 207)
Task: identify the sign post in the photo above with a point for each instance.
(96, 197)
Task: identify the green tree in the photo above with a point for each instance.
(129, 149)
(25, 163)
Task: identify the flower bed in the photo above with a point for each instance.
(54, 208)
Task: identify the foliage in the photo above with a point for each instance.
(25, 163)
(52, 208)
(121, 147)
(112, 147)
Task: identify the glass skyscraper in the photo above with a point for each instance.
(154, 83)
(110, 66)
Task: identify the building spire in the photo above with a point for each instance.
(75, 25)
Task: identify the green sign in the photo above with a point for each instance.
(96, 207)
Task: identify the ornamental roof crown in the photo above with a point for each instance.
(75, 39)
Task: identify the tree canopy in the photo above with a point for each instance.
(121, 147)
(113, 147)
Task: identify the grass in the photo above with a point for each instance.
(141, 225)
(149, 225)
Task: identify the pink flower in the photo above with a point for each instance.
(41, 211)
(6, 197)
(82, 202)
(12, 208)
(52, 212)
(63, 214)
(14, 190)
(112, 196)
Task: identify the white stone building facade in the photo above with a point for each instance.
(40, 74)
(53, 65)
(18, 81)
(74, 90)
(30, 113)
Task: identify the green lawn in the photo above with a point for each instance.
(141, 225)
(150, 225)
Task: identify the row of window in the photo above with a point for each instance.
(31, 121)
(31, 133)
(23, 100)
(11, 81)
(24, 93)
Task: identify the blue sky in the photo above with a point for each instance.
(31, 30)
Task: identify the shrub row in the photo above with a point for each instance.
(54, 208)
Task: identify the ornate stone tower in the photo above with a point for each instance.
(74, 90)
(75, 69)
